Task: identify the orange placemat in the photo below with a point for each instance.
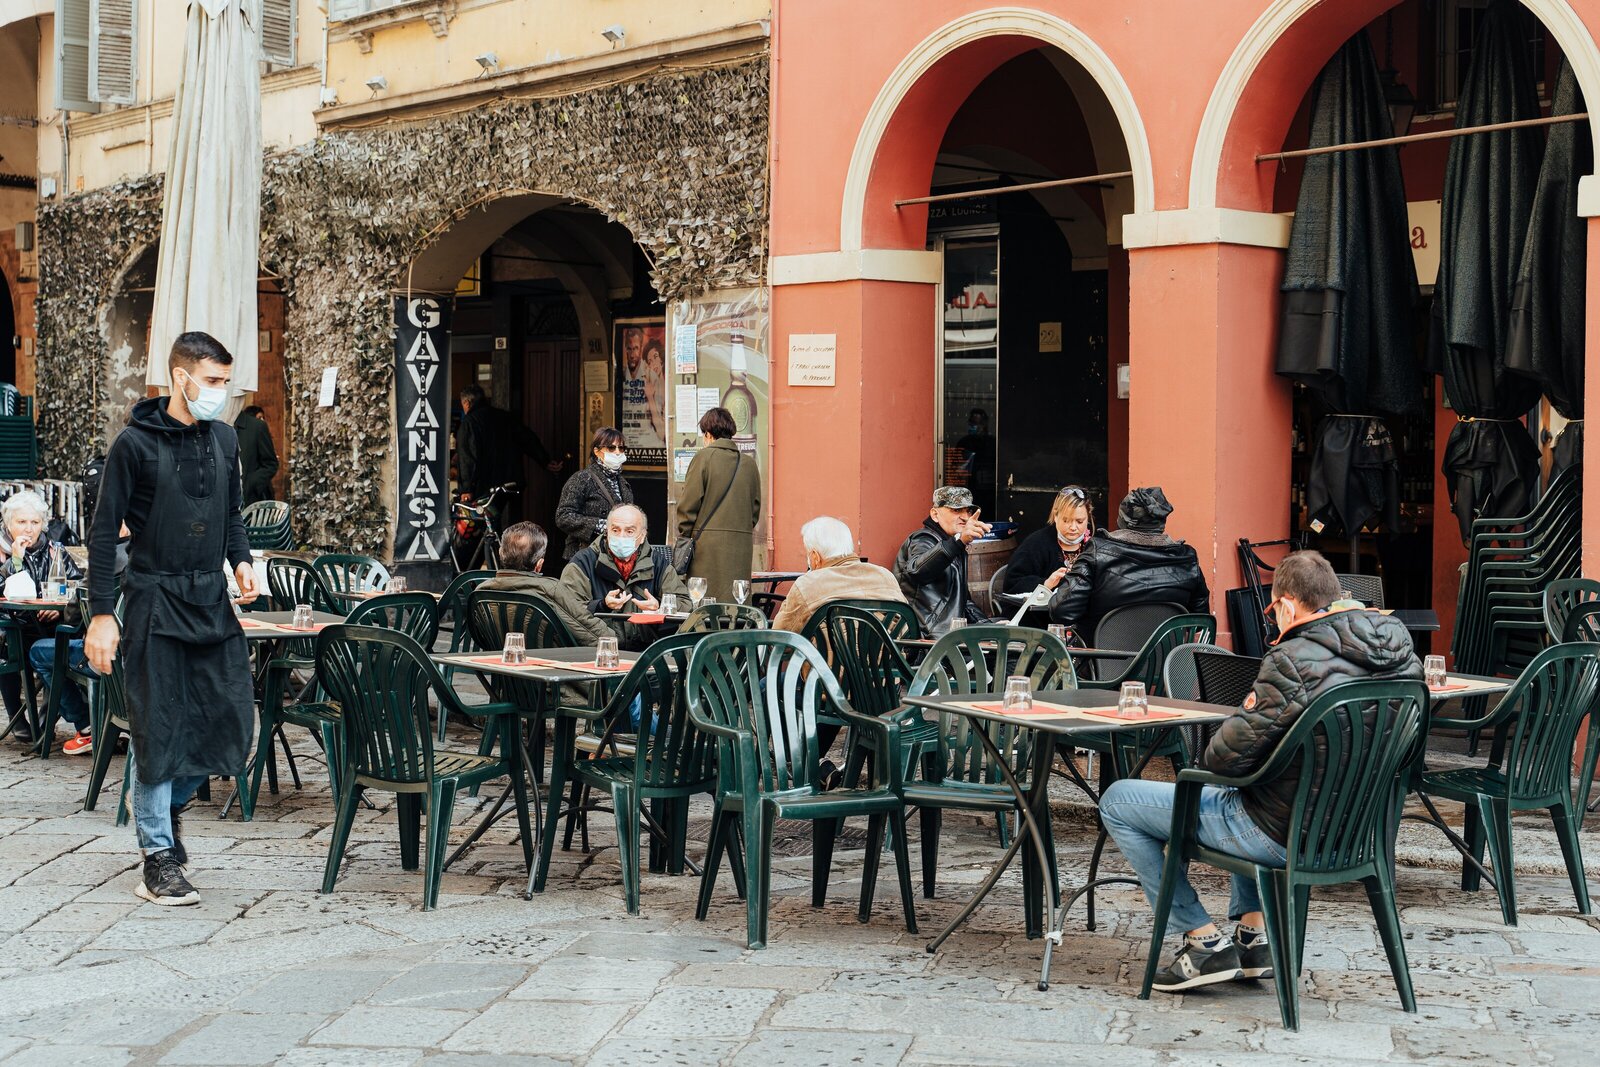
(1153, 715)
(647, 618)
(1038, 711)
(1448, 687)
(527, 664)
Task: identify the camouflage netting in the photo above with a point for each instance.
(680, 158)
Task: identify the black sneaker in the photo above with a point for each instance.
(1255, 959)
(1194, 966)
(177, 838)
(163, 882)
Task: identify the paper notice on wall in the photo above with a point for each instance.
(596, 376)
(325, 394)
(708, 400)
(686, 402)
(680, 463)
(812, 357)
(685, 349)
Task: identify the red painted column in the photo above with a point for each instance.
(1209, 422)
(1117, 352)
(862, 449)
(1591, 401)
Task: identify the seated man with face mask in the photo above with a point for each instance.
(522, 552)
(622, 571)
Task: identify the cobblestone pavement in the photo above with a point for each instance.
(266, 970)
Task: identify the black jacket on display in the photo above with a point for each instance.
(1340, 646)
(932, 569)
(1120, 572)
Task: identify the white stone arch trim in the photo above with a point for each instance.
(1558, 17)
(992, 22)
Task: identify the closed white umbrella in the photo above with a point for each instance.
(211, 208)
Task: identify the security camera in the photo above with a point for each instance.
(488, 61)
(377, 83)
(614, 34)
(330, 96)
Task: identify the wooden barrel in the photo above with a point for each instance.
(984, 558)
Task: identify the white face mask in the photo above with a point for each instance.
(613, 461)
(209, 404)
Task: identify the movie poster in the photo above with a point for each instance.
(640, 347)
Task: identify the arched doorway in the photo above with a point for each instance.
(544, 292)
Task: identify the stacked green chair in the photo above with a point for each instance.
(1534, 728)
(708, 618)
(758, 693)
(1354, 747)
(414, 614)
(381, 681)
(669, 762)
(969, 661)
(266, 524)
(1564, 596)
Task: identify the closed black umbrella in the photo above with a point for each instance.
(1547, 304)
(1490, 461)
(1349, 287)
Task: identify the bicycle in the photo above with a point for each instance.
(485, 552)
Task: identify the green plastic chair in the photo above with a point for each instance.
(14, 660)
(671, 760)
(453, 615)
(491, 615)
(293, 581)
(757, 692)
(709, 618)
(345, 573)
(873, 673)
(414, 614)
(1146, 666)
(1354, 746)
(964, 775)
(381, 681)
(897, 619)
(266, 524)
(1534, 728)
(108, 711)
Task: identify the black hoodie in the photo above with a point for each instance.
(128, 487)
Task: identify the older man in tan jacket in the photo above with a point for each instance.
(836, 573)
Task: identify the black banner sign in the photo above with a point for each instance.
(422, 411)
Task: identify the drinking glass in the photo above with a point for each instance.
(697, 590)
(1132, 703)
(669, 603)
(1018, 695)
(605, 654)
(741, 590)
(516, 649)
(1058, 631)
(397, 584)
(302, 617)
(1433, 671)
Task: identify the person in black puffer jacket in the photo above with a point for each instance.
(1135, 564)
(1321, 647)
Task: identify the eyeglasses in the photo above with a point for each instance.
(1072, 492)
(618, 447)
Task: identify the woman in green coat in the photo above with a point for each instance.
(723, 525)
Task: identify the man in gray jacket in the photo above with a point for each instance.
(522, 551)
(1320, 647)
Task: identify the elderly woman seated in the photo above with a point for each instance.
(26, 535)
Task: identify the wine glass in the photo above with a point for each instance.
(741, 590)
(697, 590)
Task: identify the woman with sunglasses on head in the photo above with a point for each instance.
(590, 494)
(1046, 555)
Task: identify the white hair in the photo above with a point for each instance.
(25, 501)
(827, 537)
(644, 520)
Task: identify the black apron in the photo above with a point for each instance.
(191, 702)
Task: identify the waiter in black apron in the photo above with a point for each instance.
(173, 477)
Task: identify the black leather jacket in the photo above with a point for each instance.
(1121, 572)
(1342, 646)
(931, 567)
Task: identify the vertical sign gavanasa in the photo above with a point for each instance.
(421, 404)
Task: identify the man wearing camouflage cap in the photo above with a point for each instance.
(931, 565)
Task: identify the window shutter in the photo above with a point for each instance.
(278, 32)
(72, 56)
(111, 51)
(345, 9)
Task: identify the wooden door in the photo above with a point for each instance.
(552, 406)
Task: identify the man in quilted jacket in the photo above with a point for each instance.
(1321, 646)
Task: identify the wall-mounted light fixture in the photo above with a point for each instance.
(377, 83)
(614, 34)
(489, 62)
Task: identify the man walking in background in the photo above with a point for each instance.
(258, 460)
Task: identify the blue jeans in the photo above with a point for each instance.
(74, 709)
(153, 805)
(1138, 816)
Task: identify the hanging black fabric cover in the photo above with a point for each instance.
(1355, 474)
(1490, 461)
(1349, 280)
(1547, 304)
